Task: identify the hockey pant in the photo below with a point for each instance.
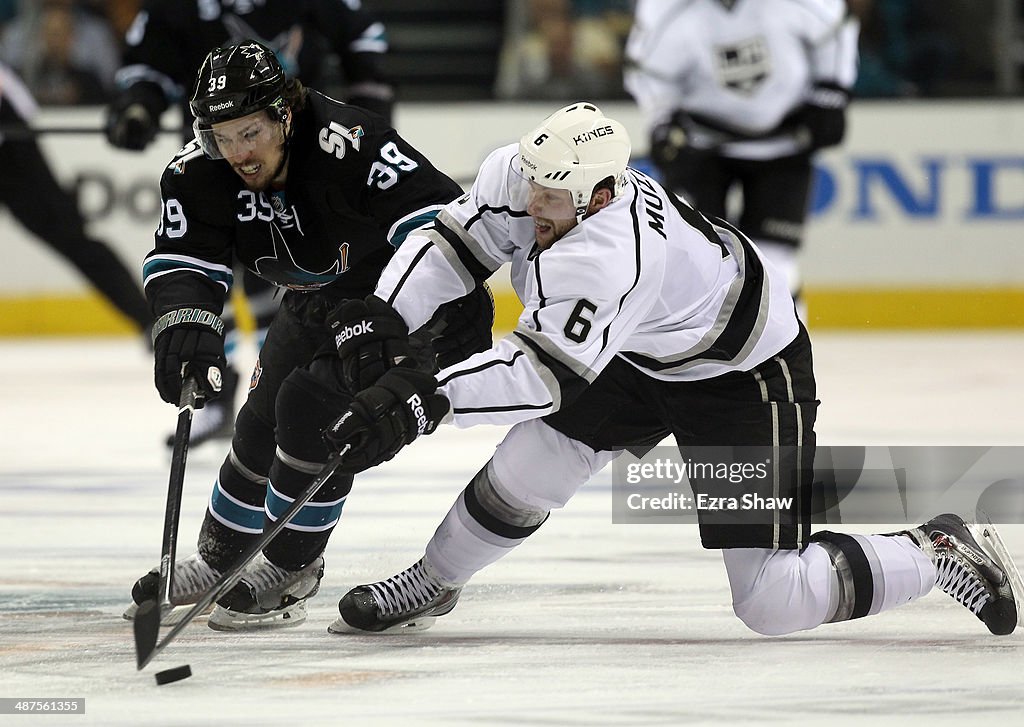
(296, 391)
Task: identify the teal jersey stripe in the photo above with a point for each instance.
(405, 227)
(157, 265)
(313, 516)
(233, 513)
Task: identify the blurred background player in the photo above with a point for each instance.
(165, 45)
(315, 196)
(38, 201)
(740, 93)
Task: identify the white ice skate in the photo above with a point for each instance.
(267, 597)
(192, 578)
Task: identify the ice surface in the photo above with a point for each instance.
(587, 623)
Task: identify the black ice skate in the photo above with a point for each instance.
(216, 420)
(409, 601)
(192, 578)
(267, 597)
(973, 566)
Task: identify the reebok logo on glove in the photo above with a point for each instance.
(336, 427)
(359, 329)
(419, 413)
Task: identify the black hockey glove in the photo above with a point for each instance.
(669, 139)
(189, 339)
(824, 116)
(386, 417)
(467, 326)
(371, 338)
(133, 118)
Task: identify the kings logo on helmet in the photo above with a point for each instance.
(591, 135)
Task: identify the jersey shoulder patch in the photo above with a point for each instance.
(341, 129)
(205, 185)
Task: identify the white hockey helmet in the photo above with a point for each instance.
(575, 148)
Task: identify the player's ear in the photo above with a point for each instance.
(599, 200)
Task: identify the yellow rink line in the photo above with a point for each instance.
(831, 308)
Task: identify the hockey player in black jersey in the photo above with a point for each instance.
(167, 41)
(642, 319)
(315, 196)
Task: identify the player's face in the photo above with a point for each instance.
(553, 213)
(254, 147)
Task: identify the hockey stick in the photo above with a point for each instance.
(18, 133)
(145, 651)
(146, 623)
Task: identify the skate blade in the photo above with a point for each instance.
(985, 533)
(340, 626)
(171, 615)
(223, 619)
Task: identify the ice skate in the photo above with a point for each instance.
(216, 420)
(267, 597)
(192, 578)
(973, 566)
(409, 601)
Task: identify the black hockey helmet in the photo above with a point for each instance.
(235, 81)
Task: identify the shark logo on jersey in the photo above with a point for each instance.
(282, 269)
(744, 66)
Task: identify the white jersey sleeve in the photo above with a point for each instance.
(584, 298)
(834, 56)
(15, 93)
(466, 243)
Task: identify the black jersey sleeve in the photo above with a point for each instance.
(153, 49)
(190, 264)
(405, 190)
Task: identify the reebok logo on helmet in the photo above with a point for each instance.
(222, 105)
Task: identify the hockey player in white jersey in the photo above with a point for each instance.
(642, 319)
(740, 93)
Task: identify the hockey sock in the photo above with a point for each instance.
(484, 524)
(305, 404)
(836, 578)
(234, 514)
(875, 572)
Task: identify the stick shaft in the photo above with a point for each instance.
(16, 131)
(230, 577)
(146, 624)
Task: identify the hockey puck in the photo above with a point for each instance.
(173, 675)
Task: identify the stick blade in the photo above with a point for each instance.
(147, 631)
